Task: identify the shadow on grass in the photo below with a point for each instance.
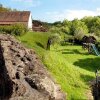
(64, 52)
(74, 51)
(90, 64)
(24, 41)
(40, 45)
(86, 78)
(61, 50)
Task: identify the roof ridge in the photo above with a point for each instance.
(14, 16)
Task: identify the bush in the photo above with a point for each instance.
(16, 29)
(79, 35)
(6, 29)
(55, 38)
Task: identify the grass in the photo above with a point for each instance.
(71, 66)
(36, 41)
(73, 69)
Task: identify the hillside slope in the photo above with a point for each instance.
(70, 65)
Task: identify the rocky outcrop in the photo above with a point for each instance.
(22, 75)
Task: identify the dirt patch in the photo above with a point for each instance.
(89, 95)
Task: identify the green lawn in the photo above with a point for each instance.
(71, 66)
(36, 41)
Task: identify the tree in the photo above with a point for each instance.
(88, 21)
(2, 8)
(78, 27)
(57, 24)
(66, 25)
(93, 24)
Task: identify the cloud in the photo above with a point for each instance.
(71, 14)
(28, 3)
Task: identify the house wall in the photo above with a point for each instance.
(30, 22)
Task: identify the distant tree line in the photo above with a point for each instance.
(77, 28)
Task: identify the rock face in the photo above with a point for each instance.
(22, 75)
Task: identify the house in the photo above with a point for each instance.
(39, 26)
(13, 17)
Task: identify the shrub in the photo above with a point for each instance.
(79, 35)
(6, 29)
(16, 29)
(67, 39)
(55, 38)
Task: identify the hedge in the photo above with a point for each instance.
(16, 29)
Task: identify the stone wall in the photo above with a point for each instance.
(22, 74)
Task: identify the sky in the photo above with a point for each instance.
(56, 10)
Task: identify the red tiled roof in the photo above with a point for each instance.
(14, 16)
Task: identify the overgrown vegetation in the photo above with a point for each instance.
(16, 29)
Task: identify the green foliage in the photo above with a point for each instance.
(65, 29)
(16, 29)
(2, 8)
(54, 30)
(79, 33)
(60, 28)
(55, 38)
(6, 29)
(57, 24)
(66, 26)
(93, 24)
(78, 26)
